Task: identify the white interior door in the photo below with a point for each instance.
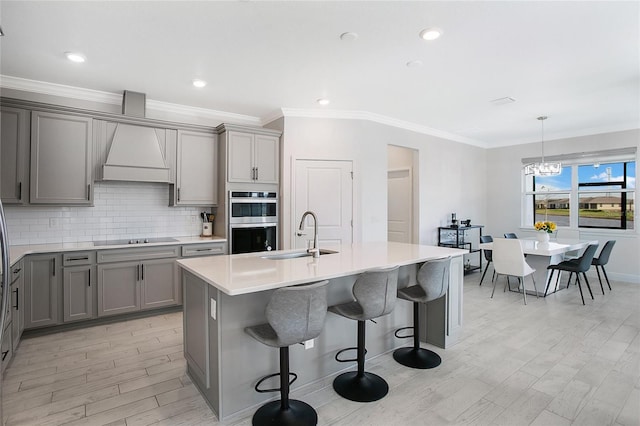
(399, 205)
(326, 188)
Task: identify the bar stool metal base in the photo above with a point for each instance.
(367, 387)
(417, 358)
(298, 414)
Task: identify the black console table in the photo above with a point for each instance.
(463, 237)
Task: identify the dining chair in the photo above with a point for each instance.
(487, 256)
(575, 266)
(603, 259)
(508, 260)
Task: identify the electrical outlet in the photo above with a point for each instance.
(308, 344)
(193, 218)
(213, 308)
(54, 222)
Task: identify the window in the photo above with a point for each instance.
(593, 195)
(606, 195)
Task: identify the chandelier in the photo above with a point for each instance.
(543, 168)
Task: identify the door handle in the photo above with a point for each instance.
(20, 191)
(89, 277)
(17, 295)
(256, 173)
(178, 194)
(142, 272)
(137, 272)
(54, 267)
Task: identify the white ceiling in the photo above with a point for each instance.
(576, 61)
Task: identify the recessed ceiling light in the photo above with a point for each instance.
(323, 101)
(348, 36)
(199, 83)
(414, 64)
(431, 33)
(503, 101)
(75, 57)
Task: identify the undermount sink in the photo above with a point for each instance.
(296, 254)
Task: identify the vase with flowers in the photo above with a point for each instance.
(544, 228)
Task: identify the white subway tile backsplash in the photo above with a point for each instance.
(121, 210)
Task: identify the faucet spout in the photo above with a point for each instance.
(315, 250)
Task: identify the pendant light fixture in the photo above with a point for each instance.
(543, 168)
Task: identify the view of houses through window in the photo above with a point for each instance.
(595, 195)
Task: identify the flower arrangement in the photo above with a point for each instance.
(546, 226)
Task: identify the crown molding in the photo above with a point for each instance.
(381, 119)
(53, 89)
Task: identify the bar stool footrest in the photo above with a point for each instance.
(350, 359)
(400, 330)
(298, 413)
(417, 358)
(367, 387)
(257, 386)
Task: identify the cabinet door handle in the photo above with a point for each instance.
(17, 295)
(4, 354)
(20, 191)
(137, 272)
(73, 259)
(54, 267)
(88, 192)
(178, 194)
(89, 277)
(142, 279)
(15, 271)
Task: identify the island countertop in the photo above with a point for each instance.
(254, 272)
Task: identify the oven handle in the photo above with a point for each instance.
(253, 200)
(253, 225)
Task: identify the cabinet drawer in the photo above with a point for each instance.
(204, 249)
(135, 254)
(79, 258)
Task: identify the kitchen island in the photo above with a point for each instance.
(224, 294)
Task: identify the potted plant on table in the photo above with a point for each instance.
(544, 228)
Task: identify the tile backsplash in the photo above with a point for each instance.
(122, 210)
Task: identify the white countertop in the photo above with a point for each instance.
(251, 272)
(552, 248)
(17, 252)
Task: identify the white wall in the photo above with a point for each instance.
(504, 182)
(122, 210)
(451, 175)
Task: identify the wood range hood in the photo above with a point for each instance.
(135, 152)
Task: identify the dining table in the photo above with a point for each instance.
(539, 255)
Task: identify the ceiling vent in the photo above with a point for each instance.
(503, 101)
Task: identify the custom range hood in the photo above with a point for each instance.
(135, 152)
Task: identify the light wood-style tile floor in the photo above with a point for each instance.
(552, 362)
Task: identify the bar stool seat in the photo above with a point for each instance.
(375, 294)
(294, 314)
(433, 281)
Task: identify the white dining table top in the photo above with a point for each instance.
(552, 248)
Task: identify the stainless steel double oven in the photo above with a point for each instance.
(253, 221)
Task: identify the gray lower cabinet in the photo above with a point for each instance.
(17, 303)
(136, 279)
(78, 292)
(61, 169)
(196, 328)
(78, 286)
(42, 290)
(118, 288)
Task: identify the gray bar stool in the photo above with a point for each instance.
(294, 314)
(433, 281)
(375, 294)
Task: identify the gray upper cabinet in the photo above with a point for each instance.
(61, 159)
(42, 288)
(252, 158)
(15, 131)
(196, 169)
